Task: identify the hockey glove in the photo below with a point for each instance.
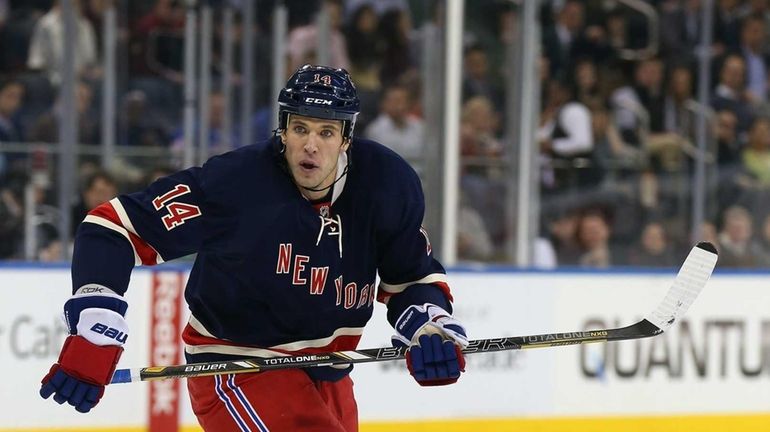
(435, 342)
(90, 354)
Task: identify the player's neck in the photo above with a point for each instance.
(312, 196)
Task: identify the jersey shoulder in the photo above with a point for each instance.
(229, 172)
(383, 172)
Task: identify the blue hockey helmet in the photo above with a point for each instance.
(321, 92)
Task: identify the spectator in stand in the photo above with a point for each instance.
(15, 35)
(364, 48)
(396, 128)
(560, 40)
(677, 117)
(726, 132)
(727, 25)
(588, 85)
(654, 249)
(761, 9)
(429, 32)
(737, 247)
(379, 6)
(543, 74)
(478, 128)
(569, 38)
(11, 98)
(619, 35)
(642, 98)
(671, 122)
(156, 41)
(46, 127)
(46, 50)
(764, 242)
(746, 180)
(730, 94)
(304, 40)
(156, 56)
(680, 25)
(756, 155)
(218, 143)
(473, 241)
(397, 59)
(98, 188)
(593, 234)
(565, 135)
(507, 17)
(93, 11)
(50, 249)
(480, 148)
(613, 154)
(478, 81)
(137, 126)
(563, 235)
(708, 232)
(543, 254)
(11, 215)
(753, 34)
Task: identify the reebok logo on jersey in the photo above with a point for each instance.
(110, 332)
(318, 101)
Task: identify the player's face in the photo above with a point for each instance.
(312, 148)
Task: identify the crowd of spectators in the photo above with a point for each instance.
(619, 191)
(615, 135)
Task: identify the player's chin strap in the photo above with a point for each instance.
(343, 174)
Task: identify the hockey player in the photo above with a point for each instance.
(290, 234)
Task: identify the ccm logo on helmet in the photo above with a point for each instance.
(318, 101)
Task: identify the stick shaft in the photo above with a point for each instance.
(690, 280)
(641, 329)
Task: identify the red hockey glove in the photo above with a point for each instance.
(81, 373)
(91, 352)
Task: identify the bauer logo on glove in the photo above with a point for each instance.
(110, 332)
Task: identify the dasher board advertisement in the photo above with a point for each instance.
(715, 361)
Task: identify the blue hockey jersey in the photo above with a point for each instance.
(274, 274)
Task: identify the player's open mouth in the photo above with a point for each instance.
(307, 165)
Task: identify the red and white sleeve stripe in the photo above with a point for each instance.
(113, 216)
(386, 290)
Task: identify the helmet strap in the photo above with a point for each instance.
(343, 174)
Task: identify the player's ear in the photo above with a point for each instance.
(345, 145)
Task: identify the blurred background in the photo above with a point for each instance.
(589, 133)
(554, 137)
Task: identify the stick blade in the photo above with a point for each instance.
(692, 277)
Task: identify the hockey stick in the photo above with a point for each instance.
(690, 280)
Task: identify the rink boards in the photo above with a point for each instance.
(711, 372)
